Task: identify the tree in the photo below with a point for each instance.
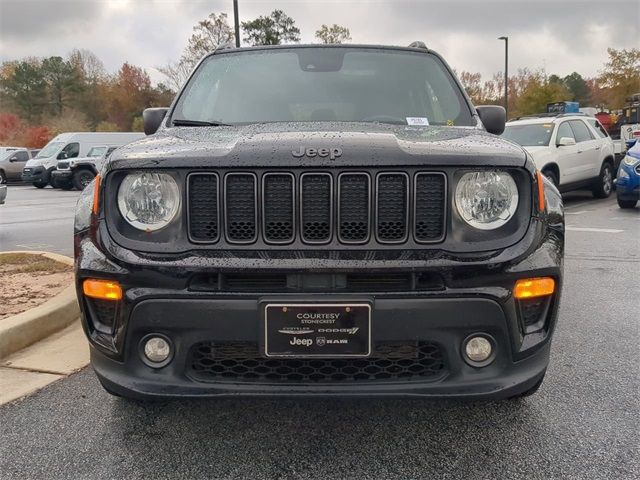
(621, 75)
(62, 80)
(208, 34)
(333, 34)
(275, 29)
(26, 89)
(537, 92)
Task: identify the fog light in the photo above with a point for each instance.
(478, 350)
(157, 350)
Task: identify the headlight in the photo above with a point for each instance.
(148, 201)
(486, 200)
(629, 160)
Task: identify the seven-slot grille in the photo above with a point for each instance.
(317, 207)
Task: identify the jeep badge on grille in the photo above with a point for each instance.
(332, 153)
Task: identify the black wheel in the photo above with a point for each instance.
(626, 203)
(54, 182)
(530, 391)
(551, 175)
(40, 184)
(82, 178)
(3, 179)
(604, 184)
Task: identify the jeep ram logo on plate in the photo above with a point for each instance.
(332, 153)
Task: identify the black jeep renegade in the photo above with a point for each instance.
(320, 220)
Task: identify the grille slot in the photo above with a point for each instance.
(533, 313)
(391, 208)
(354, 207)
(242, 362)
(379, 282)
(103, 314)
(240, 207)
(278, 207)
(316, 215)
(429, 207)
(257, 282)
(204, 216)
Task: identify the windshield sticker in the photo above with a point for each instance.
(422, 121)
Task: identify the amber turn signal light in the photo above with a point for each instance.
(102, 289)
(534, 287)
(540, 191)
(96, 195)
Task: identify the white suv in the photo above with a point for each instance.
(573, 151)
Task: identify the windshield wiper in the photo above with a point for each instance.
(178, 122)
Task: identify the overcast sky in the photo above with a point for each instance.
(561, 36)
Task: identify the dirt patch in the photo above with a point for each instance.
(29, 280)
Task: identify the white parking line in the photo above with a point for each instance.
(580, 212)
(588, 229)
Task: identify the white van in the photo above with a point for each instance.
(70, 145)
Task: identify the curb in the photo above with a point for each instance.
(24, 329)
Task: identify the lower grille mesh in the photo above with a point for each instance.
(241, 362)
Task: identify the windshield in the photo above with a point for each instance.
(323, 84)
(50, 149)
(536, 135)
(96, 151)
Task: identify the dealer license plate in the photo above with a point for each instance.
(317, 330)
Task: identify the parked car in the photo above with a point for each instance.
(11, 164)
(3, 193)
(628, 181)
(573, 151)
(284, 233)
(80, 172)
(69, 145)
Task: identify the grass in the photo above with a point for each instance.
(29, 263)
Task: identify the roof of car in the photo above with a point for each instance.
(533, 120)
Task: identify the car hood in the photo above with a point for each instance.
(361, 144)
(35, 162)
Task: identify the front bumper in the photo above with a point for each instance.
(475, 298)
(35, 174)
(64, 175)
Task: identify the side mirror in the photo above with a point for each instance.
(14, 159)
(493, 118)
(152, 119)
(566, 142)
(62, 156)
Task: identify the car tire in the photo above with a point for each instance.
(40, 184)
(530, 391)
(626, 203)
(3, 179)
(551, 175)
(66, 186)
(604, 184)
(82, 178)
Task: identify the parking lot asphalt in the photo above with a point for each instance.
(583, 423)
(38, 219)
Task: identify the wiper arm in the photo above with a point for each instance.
(179, 122)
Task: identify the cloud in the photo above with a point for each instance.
(561, 36)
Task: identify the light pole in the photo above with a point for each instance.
(506, 74)
(236, 22)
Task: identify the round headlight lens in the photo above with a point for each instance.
(486, 200)
(148, 201)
